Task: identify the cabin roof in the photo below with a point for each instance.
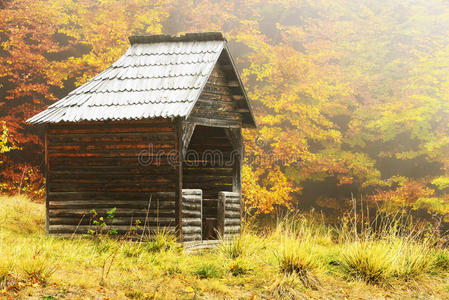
(159, 76)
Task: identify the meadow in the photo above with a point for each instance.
(297, 258)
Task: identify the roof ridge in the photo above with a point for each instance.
(188, 37)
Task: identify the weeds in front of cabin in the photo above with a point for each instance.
(237, 254)
(100, 224)
(37, 267)
(161, 240)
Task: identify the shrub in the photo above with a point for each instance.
(207, 270)
(441, 261)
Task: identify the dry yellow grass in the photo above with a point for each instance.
(300, 258)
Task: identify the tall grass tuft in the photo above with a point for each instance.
(305, 227)
(410, 258)
(287, 287)
(295, 238)
(20, 215)
(367, 261)
(389, 249)
(232, 248)
(35, 266)
(207, 270)
(6, 270)
(161, 240)
(239, 251)
(441, 261)
(295, 258)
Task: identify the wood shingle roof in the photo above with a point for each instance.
(158, 76)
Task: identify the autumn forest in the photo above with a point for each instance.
(351, 97)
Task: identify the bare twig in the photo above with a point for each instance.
(354, 205)
(77, 226)
(21, 180)
(146, 217)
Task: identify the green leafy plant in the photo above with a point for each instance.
(102, 225)
(441, 261)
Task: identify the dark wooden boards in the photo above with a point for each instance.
(130, 166)
(146, 215)
(216, 106)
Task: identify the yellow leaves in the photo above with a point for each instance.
(5, 145)
(433, 205)
(276, 190)
(441, 182)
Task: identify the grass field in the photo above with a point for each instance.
(300, 258)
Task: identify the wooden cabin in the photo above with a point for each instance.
(157, 136)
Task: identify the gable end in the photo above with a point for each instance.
(223, 101)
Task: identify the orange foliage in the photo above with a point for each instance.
(349, 95)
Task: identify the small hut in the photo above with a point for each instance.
(157, 136)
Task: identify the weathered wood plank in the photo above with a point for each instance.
(139, 221)
(191, 222)
(232, 229)
(215, 122)
(187, 192)
(109, 195)
(121, 229)
(142, 204)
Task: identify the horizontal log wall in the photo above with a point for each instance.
(191, 215)
(215, 106)
(229, 214)
(96, 166)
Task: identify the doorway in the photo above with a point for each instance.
(208, 166)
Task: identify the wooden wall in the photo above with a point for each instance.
(191, 215)
(96, 166)
(229, 214)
